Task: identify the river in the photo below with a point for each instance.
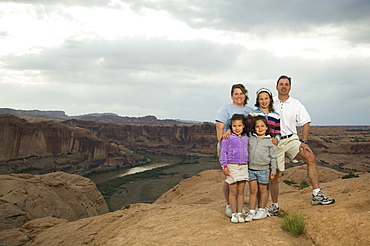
(159, 161)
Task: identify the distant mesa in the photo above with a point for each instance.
(35, 113)
(101, 117)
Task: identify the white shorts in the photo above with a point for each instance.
(238, 172)
(287, 147)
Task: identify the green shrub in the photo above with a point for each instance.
(350, 175)
(294, 224)
(303, 185)
(289, 182)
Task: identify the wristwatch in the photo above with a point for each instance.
(304, 141)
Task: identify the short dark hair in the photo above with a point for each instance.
(284, 77)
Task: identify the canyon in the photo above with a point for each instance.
(39, 145)
(44, 202)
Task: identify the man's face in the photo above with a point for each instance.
(283, 87)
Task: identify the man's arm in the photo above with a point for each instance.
(306, 132)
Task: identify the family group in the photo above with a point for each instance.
(253, 145)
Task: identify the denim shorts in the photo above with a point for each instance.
(262, 176)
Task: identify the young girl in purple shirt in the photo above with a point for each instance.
(234, 162)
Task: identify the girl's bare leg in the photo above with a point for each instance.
(240, 195)
(232, 196)
(253, 187)
(264, 195)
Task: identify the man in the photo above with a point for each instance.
(292, 112)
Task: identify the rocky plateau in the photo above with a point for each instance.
(192, 213)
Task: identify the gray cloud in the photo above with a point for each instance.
(192, 79)
(122, 58)
(263, 17)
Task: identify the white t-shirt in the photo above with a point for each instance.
(292, 112)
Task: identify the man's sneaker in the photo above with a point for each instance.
(249, 216)
(260, 214)
(228, 211)
(234, 218)
(273, 210)
(321, 199)
(240, 218)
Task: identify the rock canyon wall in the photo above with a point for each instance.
(77, 146)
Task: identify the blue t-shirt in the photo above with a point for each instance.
(225, 113)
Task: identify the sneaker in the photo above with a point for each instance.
(273, 211)
(260, 214)
(234, 218)
(249, 216)
(321, 199)
(240, 218)
(228, 211)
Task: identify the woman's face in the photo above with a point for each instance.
(264, 100)
(238, 97)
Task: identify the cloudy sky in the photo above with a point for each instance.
(178, 59)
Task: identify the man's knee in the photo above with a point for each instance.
(307, 157)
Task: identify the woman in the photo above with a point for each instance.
(239, 96)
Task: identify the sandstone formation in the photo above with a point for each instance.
(78, 146)
(198, 139)
(58, 114)
(25, 197)
(48, 145)
(102, 117)
(22, 139)
(345, 149)
(192, 213)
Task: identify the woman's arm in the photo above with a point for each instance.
(219, 130)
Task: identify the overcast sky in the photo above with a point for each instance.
(179, 59)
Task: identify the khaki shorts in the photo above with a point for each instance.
(288, 147)
(238, 172)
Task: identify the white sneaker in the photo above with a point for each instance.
(249, 216)
(228, 211)
(240, 218)
(260, 214)
(234, 218)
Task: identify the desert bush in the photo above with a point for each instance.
(303, 185)
(294, 224)
(350, 175)
(289, 182)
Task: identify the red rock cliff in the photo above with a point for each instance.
(20, 138)
(184, 139)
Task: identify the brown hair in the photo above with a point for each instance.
(242, 88)
(263, 118)
(271, 105)
(241, 117)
